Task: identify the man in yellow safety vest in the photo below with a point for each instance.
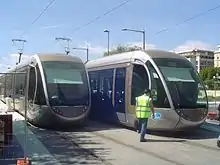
(144, 109)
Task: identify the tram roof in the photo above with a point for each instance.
(127, 56)
(58, 57)
(47, 57)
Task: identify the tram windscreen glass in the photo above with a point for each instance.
(67, 83)
(185, 86)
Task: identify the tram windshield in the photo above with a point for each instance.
(185, 86)
(66, 83)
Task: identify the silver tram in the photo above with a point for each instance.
(179, 95)
(58, 94)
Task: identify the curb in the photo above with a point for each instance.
(211, 127)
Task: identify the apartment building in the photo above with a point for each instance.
(200, 58)
(217, 57)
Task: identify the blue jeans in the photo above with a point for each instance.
(142, 126)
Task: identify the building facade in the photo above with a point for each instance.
(200, 58)
(217, 57)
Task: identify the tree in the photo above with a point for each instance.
(121, 49)
(207, 77)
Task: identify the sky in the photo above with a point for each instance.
(65, 16)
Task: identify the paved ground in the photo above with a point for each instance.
(30, 147)
(105, 144)
(112, 145)
(12, 152)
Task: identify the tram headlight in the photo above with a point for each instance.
(57, 111)
(179, 111)
(85, 108)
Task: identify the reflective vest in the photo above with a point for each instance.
(143, 107)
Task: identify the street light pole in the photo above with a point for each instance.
(137, 31)
(87, 52)
(215, 79)
(107, 31)
(143, 39)
(216, 85)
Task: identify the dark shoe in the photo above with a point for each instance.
(143, 140)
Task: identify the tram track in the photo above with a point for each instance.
(196, 144)
(152, 153)
(65, 137)
(75, 144)
(192, 140)
(99, 158)
(137, 148)
(70, 139)
(200, 145)
(185, 141)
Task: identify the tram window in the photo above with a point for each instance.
(140, 81)
(120, 80)
(2, 83)
(32, 84)
(20, 82)
(106, 86)
(93, 82)
(94, 85)
(106, 80)
(9, 85)
(160, 99)
(40, 99)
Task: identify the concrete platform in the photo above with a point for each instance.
(33, 148)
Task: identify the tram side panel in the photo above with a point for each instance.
(113, 97)
(36, 102)
(111, 94)
(120, 93)
(67, 105)
(175, 110)
(108, 94)
(137, 80)
(15, 92)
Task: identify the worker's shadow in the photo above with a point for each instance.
(163, 140)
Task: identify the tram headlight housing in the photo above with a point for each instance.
(85, 108)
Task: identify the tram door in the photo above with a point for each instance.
(119, 95)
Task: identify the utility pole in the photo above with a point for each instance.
(20, 50)
(68, 40)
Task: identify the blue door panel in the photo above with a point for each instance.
(120, 93)
(102, 107)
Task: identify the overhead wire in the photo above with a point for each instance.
(189, 19)
(39, 16)
(158, 32)
(102, 15)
